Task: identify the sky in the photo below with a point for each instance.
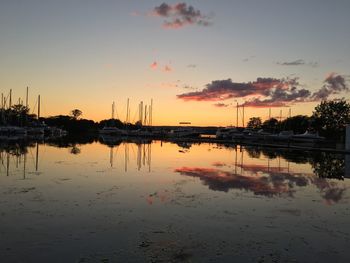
(195, 59)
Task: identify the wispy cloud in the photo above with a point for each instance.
(298, 62)
(164, 68)
(248, 58)
(192, 66)
(221, 105)
(180, 15)
(167, 68)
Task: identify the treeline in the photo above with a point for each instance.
(76, 125)
(329, 119)
(18, 115)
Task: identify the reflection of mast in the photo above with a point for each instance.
(24, 165)
(111, 156)
(279, 163)
(243, 115)
(241, 149)
(8, 164)
(237, 116)
(37, 157)
(139, 151)
(236, 160)
(149, 156)
(144, 155)
(126, 157)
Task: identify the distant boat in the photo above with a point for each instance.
(183, 132)
(226, 133)
(35, 130)
(13, 130)
(307, 137)
(256, 135)
(282, 136)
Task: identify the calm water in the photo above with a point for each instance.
(166, 202)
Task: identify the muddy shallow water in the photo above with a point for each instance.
(166, 202)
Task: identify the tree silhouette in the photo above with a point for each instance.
(331, 117)
(254, 123)
(76, 113)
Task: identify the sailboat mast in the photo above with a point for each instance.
(27, 92)
(10, 102)
(127, 111)
(151, 114)
(38, 107)
(145, 115)
(113, 110)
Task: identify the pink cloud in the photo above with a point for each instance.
(154, 65)
(167, 68)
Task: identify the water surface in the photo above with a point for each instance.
(165, 202)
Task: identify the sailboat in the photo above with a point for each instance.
(112, 130)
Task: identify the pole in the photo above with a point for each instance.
(10, 102)
(269, 113)
(27, 97)
(141, 113)
(151, 114)
(38, 107)
(280, 115)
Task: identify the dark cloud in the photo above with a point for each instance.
(163, 10)
(280, 98)
(298, 62)
(267, 92)
(220, 180)
(180, 15)
(226, 89)
(275, 182)
(333, 84)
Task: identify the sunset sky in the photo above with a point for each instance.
(196, 59)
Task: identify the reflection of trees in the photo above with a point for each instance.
(15, 148)
(75, 150)
(328, 165)
(253, 152)
(324, 164)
